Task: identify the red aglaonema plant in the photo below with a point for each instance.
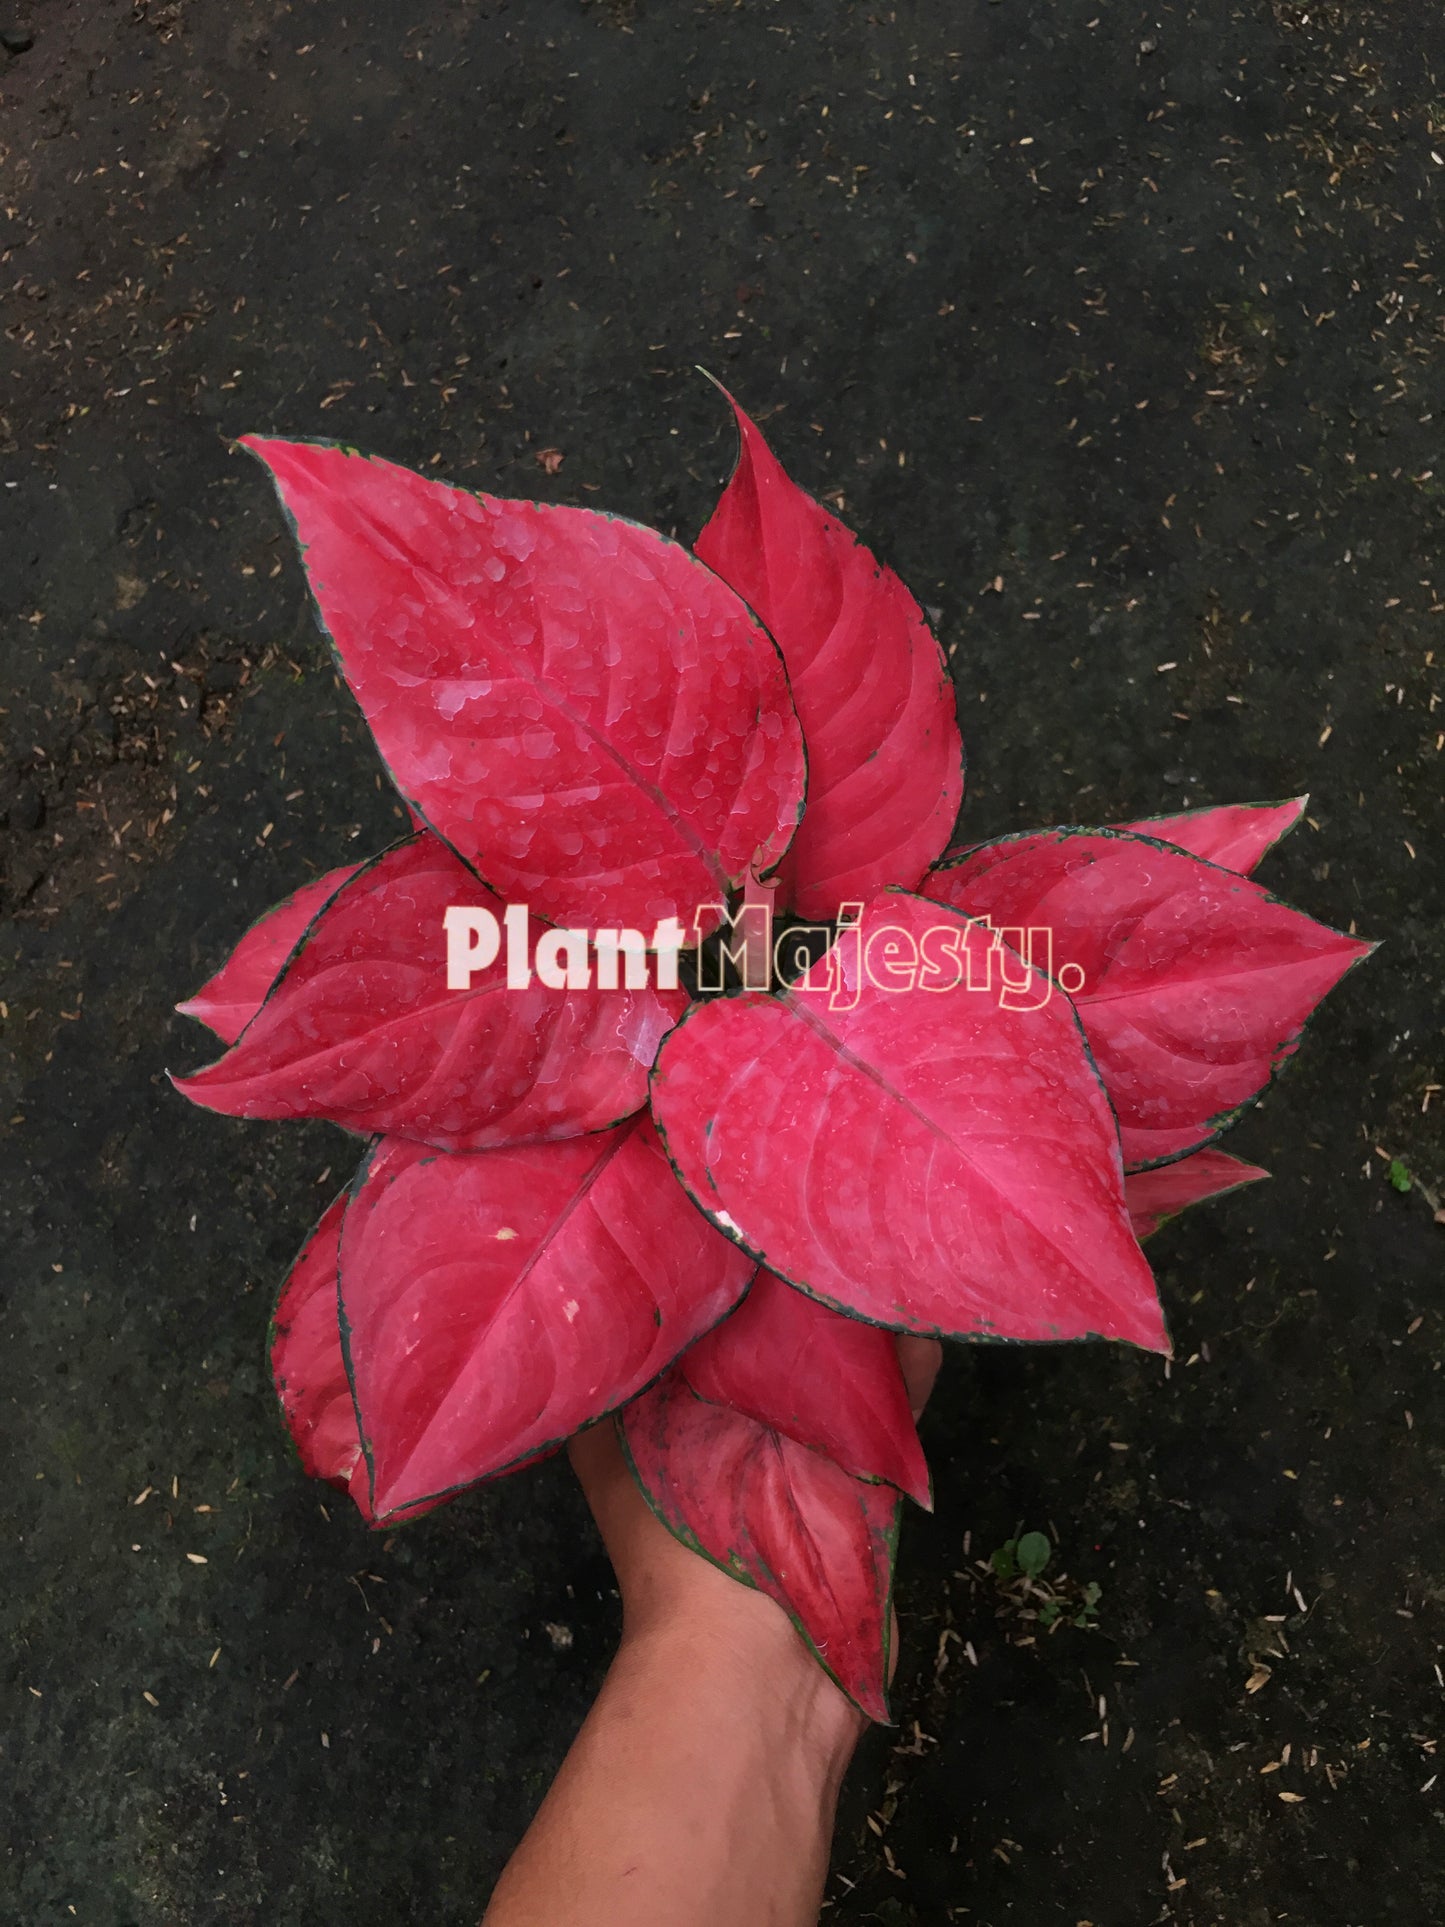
(708, 1214)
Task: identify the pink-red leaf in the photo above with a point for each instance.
(1234, 835)
(362, 1028)
(493, 1302)
(585, 713)
(1193, 984)
(935, 1159)
(823, 1379)
(885, 760)
(307, 1365)
(227, 1002)
(310, 1372)
(778, 1516)
(1156, 1196)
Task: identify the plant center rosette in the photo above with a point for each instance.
(707, 1217)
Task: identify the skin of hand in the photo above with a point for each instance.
(702, 1788)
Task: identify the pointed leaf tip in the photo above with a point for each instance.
(885, 759)
(1156, 1195)
(1193, 984)
(363, 1028)
(585, 713)
(932, 1158)
(777, 1516)
(227, 1002)
(1236, 836)
(496, 1301)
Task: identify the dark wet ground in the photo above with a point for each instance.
(1133, 314)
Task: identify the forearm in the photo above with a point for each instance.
(700, 1791)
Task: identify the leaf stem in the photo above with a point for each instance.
(758, 933)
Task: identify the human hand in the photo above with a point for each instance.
(666, 1585)
(702, 1788)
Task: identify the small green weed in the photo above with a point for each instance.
(1018, 1568)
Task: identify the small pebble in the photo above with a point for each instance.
(14, 41)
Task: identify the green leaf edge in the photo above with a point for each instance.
(684, 1537)
(399, 1515)
(1222, 1121)
(349, 449)
(273, 1329)
(946, 678)
(917, 1331)
(1256, 1176)
(293, 956)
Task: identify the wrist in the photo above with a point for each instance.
(690, 1626)
(739, 1649)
